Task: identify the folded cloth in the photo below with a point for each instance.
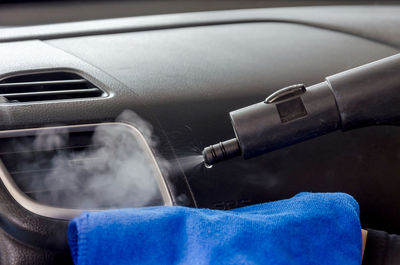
(310, 228)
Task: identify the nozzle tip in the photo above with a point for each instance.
(207, 165)
(221, 151)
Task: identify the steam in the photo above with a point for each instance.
(110, 172)
(191, 161)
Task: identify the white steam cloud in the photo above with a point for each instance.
(108, 170)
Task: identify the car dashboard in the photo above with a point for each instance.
(182, 74)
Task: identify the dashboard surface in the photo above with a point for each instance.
(183, 74)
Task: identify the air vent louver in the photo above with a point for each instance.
(81, 167)
(47, 86)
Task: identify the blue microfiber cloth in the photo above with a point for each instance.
(310, 228)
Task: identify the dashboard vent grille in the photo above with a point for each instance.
(47, 86)
(82, 167)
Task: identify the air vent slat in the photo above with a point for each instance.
(48, 93)
(47, 86)
(43, 83)
(46, 76)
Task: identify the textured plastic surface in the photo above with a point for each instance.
(362, 21)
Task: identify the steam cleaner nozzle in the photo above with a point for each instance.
(363, 96)
(221, 151)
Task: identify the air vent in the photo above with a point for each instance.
(47, 86)
(58, 171)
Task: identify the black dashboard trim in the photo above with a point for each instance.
(318, 17)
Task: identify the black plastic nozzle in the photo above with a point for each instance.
(221, 151)
(363, 96)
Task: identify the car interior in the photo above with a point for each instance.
(78, 78)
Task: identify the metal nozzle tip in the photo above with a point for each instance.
(221, 151)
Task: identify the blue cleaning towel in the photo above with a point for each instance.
(310, 228)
